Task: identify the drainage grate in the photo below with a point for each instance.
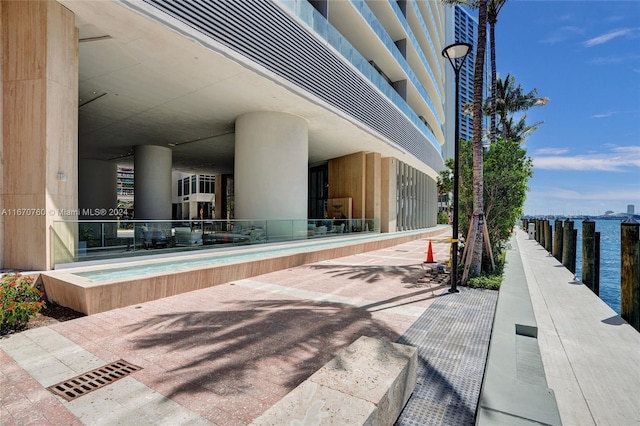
(94, 379)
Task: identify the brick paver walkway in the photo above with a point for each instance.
(222, 355)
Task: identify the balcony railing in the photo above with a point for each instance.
(90, 240)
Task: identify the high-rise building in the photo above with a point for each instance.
(463, 28)
(268, 94)
(631, 209)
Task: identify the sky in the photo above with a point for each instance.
(585, 57)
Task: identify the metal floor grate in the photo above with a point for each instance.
(93, 380)
(452, 337)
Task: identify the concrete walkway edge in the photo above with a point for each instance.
(590, 354)
(514, 389)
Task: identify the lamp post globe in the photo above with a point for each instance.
(456, 54)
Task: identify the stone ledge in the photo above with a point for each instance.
(367, 383)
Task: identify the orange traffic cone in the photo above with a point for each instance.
(429, 254)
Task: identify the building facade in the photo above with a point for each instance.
(255, 94)
(193, 196)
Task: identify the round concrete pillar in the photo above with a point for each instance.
(152, 182)
(97, 189)
(97, 200)
(271, 166)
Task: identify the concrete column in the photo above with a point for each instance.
(97, 188)
(271, 166)
(97, 200)
(373, 189)
(152, 182)
(221, 197)
(388, 194)
(39, 137)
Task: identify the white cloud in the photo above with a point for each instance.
(615, 18)
(551, 151)
(590, 200)
(616, 160)
(562, 33)
(633, 150)
(558, 193)
(604, 115)
(607, 37)
(607, 60)
(611, 113)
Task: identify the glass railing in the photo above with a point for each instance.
(90, 240)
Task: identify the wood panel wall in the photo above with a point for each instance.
(347, 179)
(39, 128)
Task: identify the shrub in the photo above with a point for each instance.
(491, 282)
(19, 301)
(443, 218)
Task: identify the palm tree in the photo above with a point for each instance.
(478, 187)
(477, 107)
(519, 131)
(511, 98)
(493, 9)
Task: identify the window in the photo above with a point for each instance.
(194, 187)
(179, 187)
(206, 184)
(185, 185)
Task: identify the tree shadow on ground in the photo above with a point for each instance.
(371, 274)
(383, 304)
(244, 349)
(228, 353)
(225, 351)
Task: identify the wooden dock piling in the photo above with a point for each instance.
(630, 272)
(589, 254)
(569, 246)
(541, 232)
(547, 236)
(557, 240)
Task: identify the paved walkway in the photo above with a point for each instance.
(223, 355)
(591, 356)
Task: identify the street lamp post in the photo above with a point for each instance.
(456, 54)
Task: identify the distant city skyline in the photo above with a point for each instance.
(584, 56)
